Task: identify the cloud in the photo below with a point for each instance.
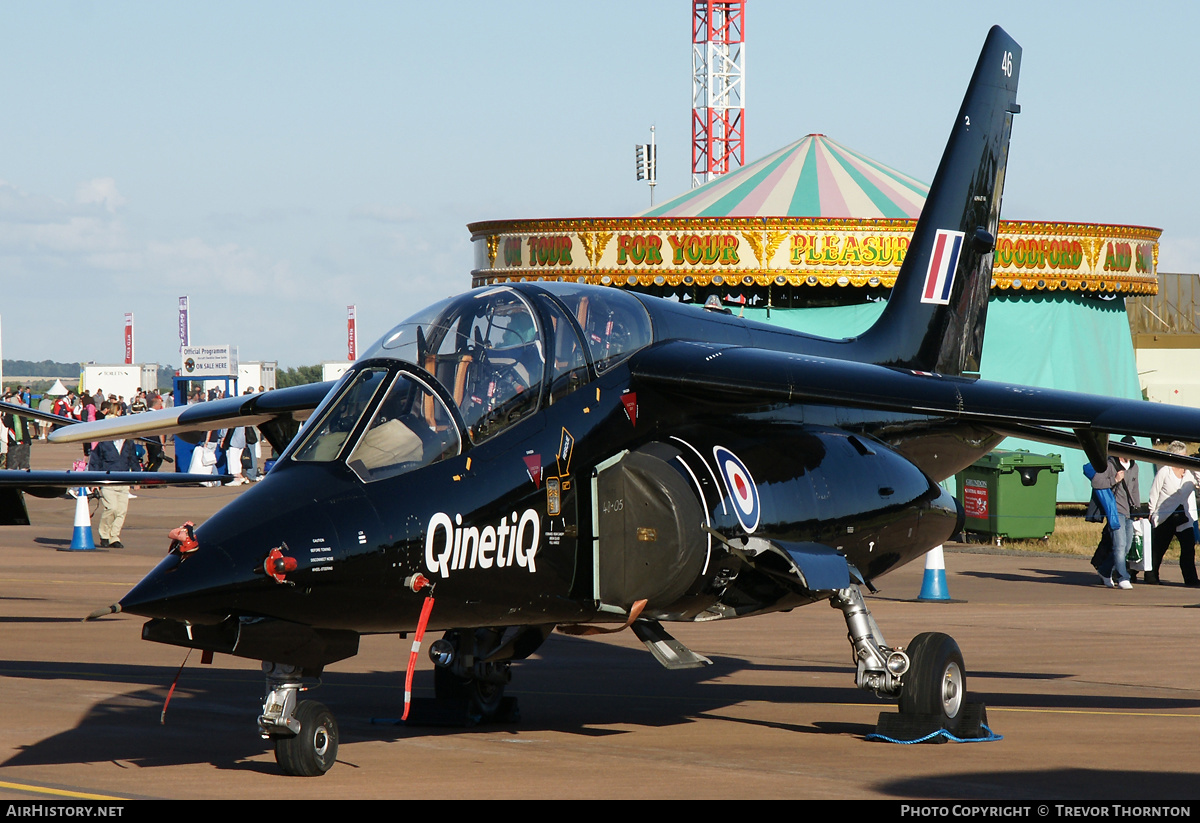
(228, 268)
(105, 259)
(101, 190)
(238, 221)
(18, 206)
(45, 232)
(87, 242)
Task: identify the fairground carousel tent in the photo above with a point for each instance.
(811, 237)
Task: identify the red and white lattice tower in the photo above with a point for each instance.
(718, 87)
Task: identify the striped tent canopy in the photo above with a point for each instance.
(813, 177)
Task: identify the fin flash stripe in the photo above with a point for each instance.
(943, 262)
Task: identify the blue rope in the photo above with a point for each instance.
(939, 733)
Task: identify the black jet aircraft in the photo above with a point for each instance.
(561, 455)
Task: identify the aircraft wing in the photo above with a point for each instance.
(55, 484)
(291, 404)
(35, 414)
(759, 375)
(32, 481)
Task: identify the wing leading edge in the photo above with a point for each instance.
(264, 410)
(55, 484)
(756, 376)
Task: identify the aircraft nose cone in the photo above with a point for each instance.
(152, 589)
(182, 587)
(209, 583)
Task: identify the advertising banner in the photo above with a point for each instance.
(185, 324)
(210, 361)
(128, 337)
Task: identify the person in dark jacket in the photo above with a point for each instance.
(154, 448)
(1103, 508)
(1121, 477)
(113, 456)
(20, 434)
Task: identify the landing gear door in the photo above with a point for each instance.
(608, 528)
(649, 544)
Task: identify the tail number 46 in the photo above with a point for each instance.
(1006, 64)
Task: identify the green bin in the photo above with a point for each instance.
(1010, 494)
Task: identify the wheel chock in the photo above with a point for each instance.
(896, 727)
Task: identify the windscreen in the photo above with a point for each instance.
(410, 428)
(385, 422)
(324, 441)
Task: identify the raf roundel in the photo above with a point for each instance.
(741, 487)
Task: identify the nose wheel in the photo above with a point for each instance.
(312, 751)
(303, 731)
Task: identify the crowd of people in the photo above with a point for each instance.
(19, 432)
(147, 454)
(228, 446)
(1169, 515)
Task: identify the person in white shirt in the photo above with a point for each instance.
(1172, 516)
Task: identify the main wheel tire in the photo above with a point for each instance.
(483, 699)
(936, 683)
(313, 751)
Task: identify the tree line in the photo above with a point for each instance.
(300, 376)
(43, 368)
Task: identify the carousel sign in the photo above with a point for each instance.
(800, 251)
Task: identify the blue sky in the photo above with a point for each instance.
(277, 161)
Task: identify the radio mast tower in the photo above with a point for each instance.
(718, 87)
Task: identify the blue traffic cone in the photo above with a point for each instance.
(933, 586)
(81, 539)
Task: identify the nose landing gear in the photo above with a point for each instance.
(304, 731)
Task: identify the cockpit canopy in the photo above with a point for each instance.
(485, 348)
(499, 354)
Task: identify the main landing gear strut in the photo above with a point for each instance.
(928, 677)
(469, 672)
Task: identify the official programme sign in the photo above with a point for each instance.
(210, 361)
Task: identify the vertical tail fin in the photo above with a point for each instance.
(935, 317)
